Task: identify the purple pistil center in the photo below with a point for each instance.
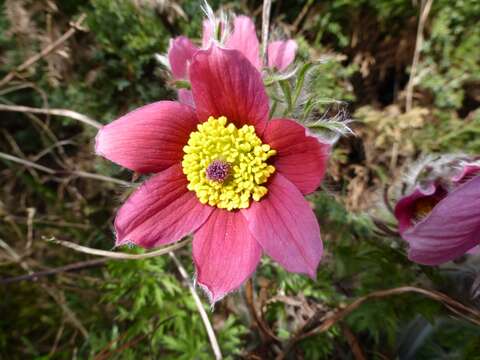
(218, 170)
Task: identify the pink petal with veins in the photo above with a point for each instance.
(244, 39)
(149, 139)
(301, 157)
(160, 211)
(286, 227)
(224, 83)
(225, 253)
(180, 54)
(450, 230)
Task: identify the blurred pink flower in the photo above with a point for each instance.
(280, 54)
(227, 244)
(441, 221)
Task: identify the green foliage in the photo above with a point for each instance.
(150, 305)
(361, 263)
(450, 334)
(142, 309)
(128, 35)
(308, 94)
(119, 61)
(451, 134)
(448, 64)
(337, 19)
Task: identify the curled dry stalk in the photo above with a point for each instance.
(384, 228)
(265, 330)
(119, 255)
(332, 318)
(386, 199)
(162, 251)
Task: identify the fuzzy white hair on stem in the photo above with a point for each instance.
(219, 24)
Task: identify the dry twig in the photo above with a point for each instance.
(30, 216)
(58, 112)
(249, 294)
(332, 318)
(50, 171)
(118, 255)
(353, 342)
(47, 50)
(70, 267)
(27, 163)
(267, 5)
(206, 322)
(70, 315)
(424, 11)
(301, 15)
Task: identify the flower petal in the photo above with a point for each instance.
(404, 210)
(180, 54)
(160, 211)
(451, 229)
(474, 251)
(244, 39)
(281, 53)
(468, 171)
(301, 158)
(186, 97)
(224, 83)
(286, 227)
(149, 139)
(225, 253)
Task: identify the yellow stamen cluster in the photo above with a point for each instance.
(242, 149)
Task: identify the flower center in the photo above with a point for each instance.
(218, 170)
(226, 166)
(424, 206)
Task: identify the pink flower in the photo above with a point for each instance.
(224, 172)
(243, 38)
(441, 219)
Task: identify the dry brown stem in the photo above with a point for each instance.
(119, 255)
(45, 51)
(57, 112)
(352, 340)
(70, 267)
(424, 11)
(79, 173)
(58, 298)
(249, 294)
(198, 303)
(267, 5)
(334, 317)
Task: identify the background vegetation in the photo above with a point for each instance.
(143, 309)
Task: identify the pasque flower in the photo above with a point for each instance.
(440, 217)
(280, 54)
(224, 172)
